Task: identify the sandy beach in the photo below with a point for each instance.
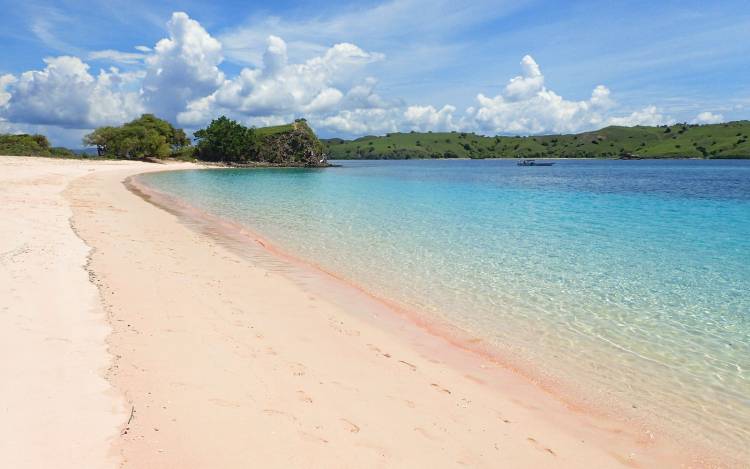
(131, 339)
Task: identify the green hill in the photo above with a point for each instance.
(728, 140)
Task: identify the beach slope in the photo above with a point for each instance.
(58, 410)
(217, 359)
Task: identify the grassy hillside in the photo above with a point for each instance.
(272, 130)
(728, 140)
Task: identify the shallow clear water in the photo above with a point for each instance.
(631, 277)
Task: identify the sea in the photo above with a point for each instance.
(628, 281)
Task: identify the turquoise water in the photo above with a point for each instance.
(630, 278)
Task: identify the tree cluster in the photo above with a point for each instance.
(24, 144)
(226, 140)
(31, 145)
(145, 137)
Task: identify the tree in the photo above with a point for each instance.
(145, 137)
(226, 140)
(24, 144)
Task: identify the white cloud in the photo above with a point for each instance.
(117, 56)
(180, 79)
(363, 95)
(708, 118)
(649, 115)
(67, 95)
(388, 23)
(423, 118)
(283, 88)
(526, 106)
(44, 23)
(182, 68)
(525, 86)
(361, 121)
(5, 81)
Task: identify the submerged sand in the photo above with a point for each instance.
(166, 348)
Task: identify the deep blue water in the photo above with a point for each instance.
(632, 277)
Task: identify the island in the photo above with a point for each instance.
(727, 140)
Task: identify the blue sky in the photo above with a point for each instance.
(354, 68)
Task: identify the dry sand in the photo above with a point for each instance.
(224, 360)
(57, 408)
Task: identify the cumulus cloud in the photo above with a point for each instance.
(5, 81)
(362, 121)
(526, 86)
(314, 87)
(67, 95)
(649, 115)
(527, 106)
(363, 96)
(180, 78)
(423, 118)
(702, 118)
(182, 67)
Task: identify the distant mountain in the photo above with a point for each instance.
(728, 140)
(85, 151)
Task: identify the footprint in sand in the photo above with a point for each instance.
(298, 369)
(540, 447)
(377, 350)
(280, 413)
(413, 368)
(302, 395)
(440, 388)
(313, 438)
(426, 434)
(224, 403)
(352, 427)
(475, 379)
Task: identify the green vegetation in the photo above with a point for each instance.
(225, 140)
(24, 144)
(295, 144)
(729, 140)
(145, 137)
(228, 141)
(31, 145)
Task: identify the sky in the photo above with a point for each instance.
(358, 68)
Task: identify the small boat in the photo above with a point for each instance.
(534, 163)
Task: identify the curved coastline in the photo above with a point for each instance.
(427, 331)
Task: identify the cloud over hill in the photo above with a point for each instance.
(182, 78)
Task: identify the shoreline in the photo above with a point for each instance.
(225, 359)
(237, 236)
(395, 315)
